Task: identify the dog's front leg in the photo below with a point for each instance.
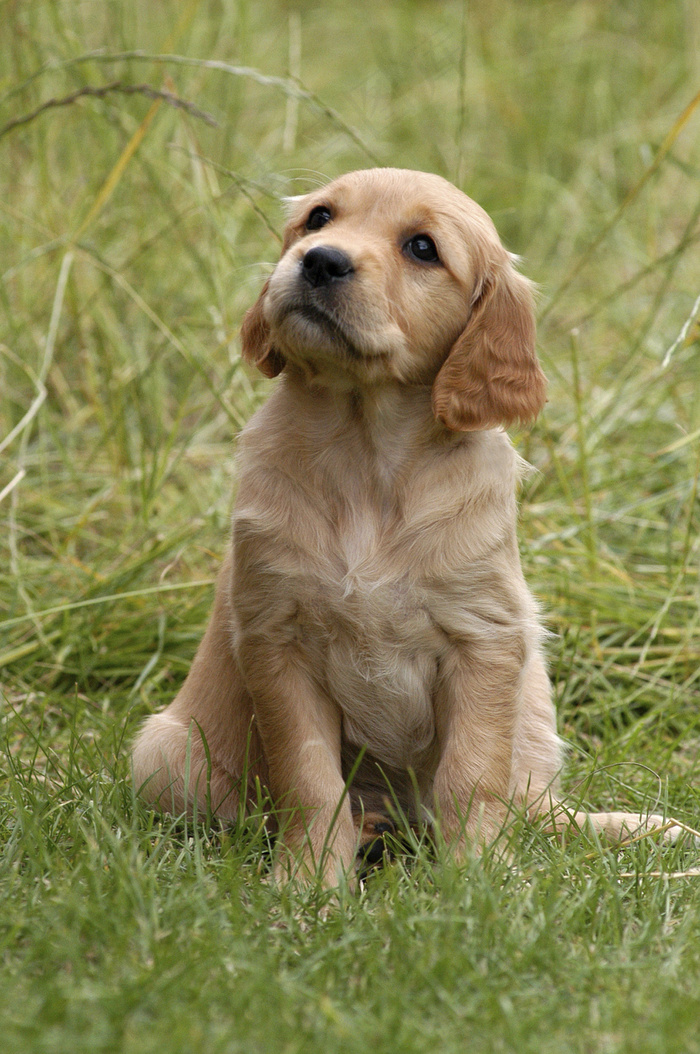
(476, 709)
(300, 730)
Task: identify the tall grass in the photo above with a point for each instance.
(134, 232)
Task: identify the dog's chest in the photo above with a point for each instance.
(381, 650)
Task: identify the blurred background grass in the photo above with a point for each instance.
(134, 234)
(143, 149)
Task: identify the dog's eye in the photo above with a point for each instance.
(318, 218)
(422, 247)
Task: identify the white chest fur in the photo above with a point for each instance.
(381, 662)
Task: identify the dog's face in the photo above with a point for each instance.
(389, 275)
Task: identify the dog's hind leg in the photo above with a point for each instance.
(195, 755)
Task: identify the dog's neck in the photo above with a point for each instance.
(392, 423)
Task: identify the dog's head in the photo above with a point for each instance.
(392, 274)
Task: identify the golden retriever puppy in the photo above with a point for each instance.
(372, 602)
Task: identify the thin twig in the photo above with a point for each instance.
(652, 832)
(692, 872)
(680, 339)
(13, 483)
(239, 182)
(289, 86)
(107, 89)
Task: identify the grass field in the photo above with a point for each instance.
(143, 149)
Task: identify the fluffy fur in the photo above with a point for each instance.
(372, 597)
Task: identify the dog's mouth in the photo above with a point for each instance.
(322, 318)
(329, 327)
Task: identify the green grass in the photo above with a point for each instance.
(133, 235)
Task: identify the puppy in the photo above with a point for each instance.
(372, 604)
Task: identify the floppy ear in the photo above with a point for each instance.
(491, 376)
(256, 345)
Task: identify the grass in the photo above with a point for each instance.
(133, 236)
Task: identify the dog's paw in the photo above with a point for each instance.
(372, 840)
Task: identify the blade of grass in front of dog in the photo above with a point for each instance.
(326, 853)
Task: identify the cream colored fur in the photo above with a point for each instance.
(372, 597)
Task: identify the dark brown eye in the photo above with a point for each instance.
(422, 247)
(318, 218)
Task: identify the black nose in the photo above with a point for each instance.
(323, 265)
